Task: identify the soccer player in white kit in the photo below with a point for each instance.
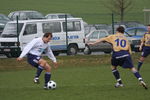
(34, 50)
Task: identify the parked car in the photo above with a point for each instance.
(58, 15)
(92, 37)
(25, 15)
(3, 20)
(134, 36)
(88, 28)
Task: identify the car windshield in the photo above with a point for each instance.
(140, 32)
(136, 32)
(10, 30)
(2, 17)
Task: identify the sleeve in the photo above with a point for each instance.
(108, 38)
(27, 48)
(50, 54)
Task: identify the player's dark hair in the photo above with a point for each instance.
(48, 34)
(120, 29)
(148, 25)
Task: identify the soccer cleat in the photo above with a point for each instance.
(45, 87)
(36, 80)
(118, 85)
(143, 84)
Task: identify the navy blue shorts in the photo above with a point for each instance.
(145, 51)
(125, 62)
(33, 60)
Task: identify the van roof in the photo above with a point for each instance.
(43, 20)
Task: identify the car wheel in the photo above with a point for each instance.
(107, 52)
(87, 50)
(72, 49)
(56, 53)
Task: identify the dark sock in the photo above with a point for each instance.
(137, 75)
(139, 65)
(39, 70)
(47, 77)
(117, 75)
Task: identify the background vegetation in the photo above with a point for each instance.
(92, 11)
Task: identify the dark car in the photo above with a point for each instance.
(3, 20)
(26, 15)
(134, 36)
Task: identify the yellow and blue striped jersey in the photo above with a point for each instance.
(146, 39)
(119, 42)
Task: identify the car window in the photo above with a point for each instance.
(102, 34)
(94, 35)
(14, 16)
(30, 29)
(34, 15)
(52, 17)
(51, 27)
(61, 16)
(131, 32)
(140, 32)
(10, 29)
(72, 26)
(23, 16)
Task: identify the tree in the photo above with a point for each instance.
(119, 7)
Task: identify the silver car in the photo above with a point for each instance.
(26, 15)
(92, 37)
(58, 15)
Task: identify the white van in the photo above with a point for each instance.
(11, 46)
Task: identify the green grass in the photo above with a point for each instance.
(77, 78)
(92, 11)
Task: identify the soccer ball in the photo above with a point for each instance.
(51, 85)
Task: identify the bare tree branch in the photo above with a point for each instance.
(118, 6)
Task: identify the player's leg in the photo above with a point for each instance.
(117, 76)
(141, 60)
(138, 76)
(47, 68)
(115, 63)
(145, 53)
(34, 61)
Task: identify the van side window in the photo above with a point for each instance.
(72, 26)
(51, 27)
(30, 29)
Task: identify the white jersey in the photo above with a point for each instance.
(37, 47)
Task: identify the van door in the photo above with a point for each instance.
(29, 33)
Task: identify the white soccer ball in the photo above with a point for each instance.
(51, 85)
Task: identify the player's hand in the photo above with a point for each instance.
(19, 59)
(140, 49)
(55, 64)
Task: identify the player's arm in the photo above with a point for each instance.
(51, 56)
(142, 43)
(26, 49)
(97, 41)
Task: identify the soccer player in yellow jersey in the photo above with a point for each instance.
(121, 55)
(144, 47)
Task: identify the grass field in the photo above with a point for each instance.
(78, 78)
(92, 11)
